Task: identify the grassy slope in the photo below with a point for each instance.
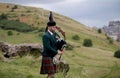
(95, 62)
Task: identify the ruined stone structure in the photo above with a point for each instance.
(12, 50)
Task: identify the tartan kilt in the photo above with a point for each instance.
(47, 66)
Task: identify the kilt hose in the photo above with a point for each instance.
(47, 66)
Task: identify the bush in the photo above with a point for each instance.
(35, 52)
(41, 30)
(18, 34)
(108, 37)
(15, 25)
(12, 10)
(7, 6)
(87, 42)
(17, 19)
(15, 7)
(10, 33)
(3, 16)
(111, 41)
(69, 47)
(28, 11)
(40, 34)
(76, 37)
(117, 54)
(99, 31)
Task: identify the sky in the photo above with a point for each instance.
(92, 13)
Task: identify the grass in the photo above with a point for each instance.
(82, 65)
(18, 37)
(25, 67)
(92, 64)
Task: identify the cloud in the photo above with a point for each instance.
(89, 12)
(31, 1)
(94, 12)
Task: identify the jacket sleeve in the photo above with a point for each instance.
(46, 44)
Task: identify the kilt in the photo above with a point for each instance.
(47, 66)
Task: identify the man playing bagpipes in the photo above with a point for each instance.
(51, 48)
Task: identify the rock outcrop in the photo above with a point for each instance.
(11, 50)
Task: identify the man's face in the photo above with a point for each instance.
(52, 28)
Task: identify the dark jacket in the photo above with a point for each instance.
(49, 45)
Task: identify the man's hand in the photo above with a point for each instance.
(60, 52)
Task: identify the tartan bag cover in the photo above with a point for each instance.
(48, 67)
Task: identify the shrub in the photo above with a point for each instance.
(118, 40)
(111, 41)
(35, 52)
(87, 42)
(17, 19)
(15, 7)
(12, 10)
(28, 11)
(3, 16)
(117, 54)
(76, 37)
(108, 37)
(99, 31)
(41, 30)
(16, 25)
(10, 33)
(38, 23)
(18, 34)
(69, 47)
(7, 6)
(40, 34)
(22, 14)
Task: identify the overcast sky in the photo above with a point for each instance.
(89, 12)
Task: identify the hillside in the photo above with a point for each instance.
(85, 62)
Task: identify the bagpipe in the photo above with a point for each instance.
(61, 43)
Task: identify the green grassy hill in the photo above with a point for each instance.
(85, 62)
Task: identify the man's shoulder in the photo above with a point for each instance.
(46, 34)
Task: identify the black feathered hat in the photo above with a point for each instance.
(51, 23)
(51, 20)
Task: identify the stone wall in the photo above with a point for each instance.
(12, 50)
